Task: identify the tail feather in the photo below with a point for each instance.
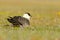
(9, 20)
(14, 20)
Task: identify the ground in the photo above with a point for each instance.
(45, 20)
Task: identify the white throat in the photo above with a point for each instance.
(26, 16)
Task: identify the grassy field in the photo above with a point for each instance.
(45, 21)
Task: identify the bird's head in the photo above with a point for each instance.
(27, 15)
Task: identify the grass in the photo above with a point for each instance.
(45, 22)
(43, 27)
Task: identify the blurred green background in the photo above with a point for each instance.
(45, 21)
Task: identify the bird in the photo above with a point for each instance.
(20, 20)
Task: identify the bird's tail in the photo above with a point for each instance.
(9, 19)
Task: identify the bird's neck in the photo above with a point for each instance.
(26, 16)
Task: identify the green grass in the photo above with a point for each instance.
(45, 24)
(43, 27)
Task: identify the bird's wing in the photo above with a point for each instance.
(23, 20)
